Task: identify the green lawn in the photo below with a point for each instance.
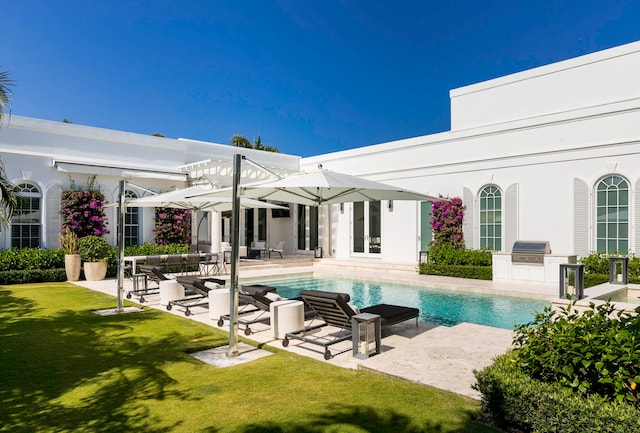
(63, 368)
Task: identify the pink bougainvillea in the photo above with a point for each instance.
(82, 212)
(173, 226)
(446, 222)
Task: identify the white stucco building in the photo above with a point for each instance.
(550, 153)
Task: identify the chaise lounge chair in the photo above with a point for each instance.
(147, 274)
(254, 302)
(196, 293)
(257, 301)
(334, 310)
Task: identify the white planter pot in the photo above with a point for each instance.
(95, 271)
(72, 266)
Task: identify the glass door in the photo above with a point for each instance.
(367, 228)
(426, 232)
(307, 227)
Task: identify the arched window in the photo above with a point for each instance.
(131, 221)
(491, 218)
(612, 215)
(25, 223)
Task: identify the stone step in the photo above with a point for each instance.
(363, 265)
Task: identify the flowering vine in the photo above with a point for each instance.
(173, 226)
(446, 222)
(82, 212)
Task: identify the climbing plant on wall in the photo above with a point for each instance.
(446, 222)
(82, 211)
(173, 226)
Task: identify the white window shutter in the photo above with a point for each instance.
(51, 219)
(580, 218)
(636, 244)
(511, 219)
(468, 222)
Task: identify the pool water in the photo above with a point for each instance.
(441, 307)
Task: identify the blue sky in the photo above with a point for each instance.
(309, 77)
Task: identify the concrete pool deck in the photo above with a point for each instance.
(443, 357)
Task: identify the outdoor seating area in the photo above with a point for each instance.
(202, 263)
(258, 301)
(333, 309)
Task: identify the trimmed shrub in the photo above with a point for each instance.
(17, 259)
(32, 276)
(594, 352)
(446, 254)
(591, 280)
(152, 249)
(444, 259)
(517, 402)
(94, 249)
(459, 271)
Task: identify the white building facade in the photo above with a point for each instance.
(548, 154)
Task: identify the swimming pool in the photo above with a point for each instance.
(442, 307)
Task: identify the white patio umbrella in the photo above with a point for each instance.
(320, 187)
(192, 198)
(314, 189)
(180, 198)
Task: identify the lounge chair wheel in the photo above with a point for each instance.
(169, 307)
(220, 323)
(247, 331)
(187, 312)
(285, 342)
(327, 355)
(128, 295)
(141, 300)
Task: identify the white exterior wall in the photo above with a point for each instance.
(588, 81)
(52, 154)
(537, 134)
(541, 153)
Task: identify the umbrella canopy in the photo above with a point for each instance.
(321, 187)
(313, 189)
(192, 198)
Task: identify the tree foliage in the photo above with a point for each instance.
(8, 200)
(242, 141)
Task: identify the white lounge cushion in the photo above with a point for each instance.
(273, 296)
(211, 285)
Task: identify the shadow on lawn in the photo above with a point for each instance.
(79, 371)
(347, 417)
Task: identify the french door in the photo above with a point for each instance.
(367, 228)
(307, 227)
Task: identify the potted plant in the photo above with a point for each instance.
(94, 252)
(69, 244)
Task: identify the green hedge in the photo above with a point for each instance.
(32, 276)
(459, 271)
(35, 265)
(591, 280)
(445, 254)
(448, 261)
(17, 259)
(516, 402)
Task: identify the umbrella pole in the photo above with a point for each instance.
(235, 253)
(120, 242)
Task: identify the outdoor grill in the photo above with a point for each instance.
(530, 252)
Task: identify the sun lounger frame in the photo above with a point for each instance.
(334, 310)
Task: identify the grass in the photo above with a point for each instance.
(63, 368)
